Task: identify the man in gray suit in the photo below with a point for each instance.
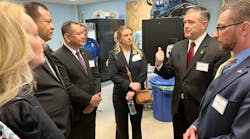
(51, 91)
(225, 108)
(193, 62)
(82, 80)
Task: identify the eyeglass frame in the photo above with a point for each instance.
(219, 27)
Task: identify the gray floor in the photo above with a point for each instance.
(105, 122)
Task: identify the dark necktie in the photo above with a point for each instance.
(190, 53)
(82, 61)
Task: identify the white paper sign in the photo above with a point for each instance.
(136, 58)
(220, 104)
(202, 66)
(91, 63)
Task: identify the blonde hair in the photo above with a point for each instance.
(118, 45)
(15, 52)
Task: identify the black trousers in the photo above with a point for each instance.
(188, 111)
(121, 117)
(84, 129)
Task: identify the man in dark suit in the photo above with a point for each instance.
(193, 62)
(82, 79)
(51, 91)
(225, 108)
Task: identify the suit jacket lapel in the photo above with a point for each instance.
(224, 80)
(122, 57)
(54, 66)
(183, 57)
(74, 59)
(198, 55)
(47, 68)
(130, 58)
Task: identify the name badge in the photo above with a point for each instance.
(220, 104)
(91, 63)
(136, 58)
(202, 66)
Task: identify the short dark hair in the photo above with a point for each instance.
(240, 10)
(66, 27)
(204, 13)
(31, 9)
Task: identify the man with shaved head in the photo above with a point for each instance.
(51, 91)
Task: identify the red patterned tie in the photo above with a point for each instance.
(82, 61)
(190, 53)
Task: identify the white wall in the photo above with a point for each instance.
(119, 6)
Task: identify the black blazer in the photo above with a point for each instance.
(28, 120)
(53, 96)
(118, 72)
(80, 86)
(190, 81)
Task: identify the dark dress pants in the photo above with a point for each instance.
(188, 111)
(85, 128)
(121, 118)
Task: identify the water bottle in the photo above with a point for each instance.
(131, 106)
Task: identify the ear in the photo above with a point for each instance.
(246, 27)
(66, 37)
(204, 24)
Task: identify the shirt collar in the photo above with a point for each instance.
(242, 55)
(73, 51)
(198, 40)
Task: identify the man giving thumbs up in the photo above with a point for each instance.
(193, 62)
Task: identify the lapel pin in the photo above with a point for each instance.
(239, 71)
(202, 51)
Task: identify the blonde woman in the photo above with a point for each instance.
(19, 109)
(125, 54)
(115, 36)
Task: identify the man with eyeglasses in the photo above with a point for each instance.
(219, 27)
(225, 108)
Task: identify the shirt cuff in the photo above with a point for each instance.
(194, 127)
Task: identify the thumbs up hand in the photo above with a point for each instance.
(159, 57)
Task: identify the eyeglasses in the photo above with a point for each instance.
(219, 27)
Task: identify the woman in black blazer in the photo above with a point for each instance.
(126, 53)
